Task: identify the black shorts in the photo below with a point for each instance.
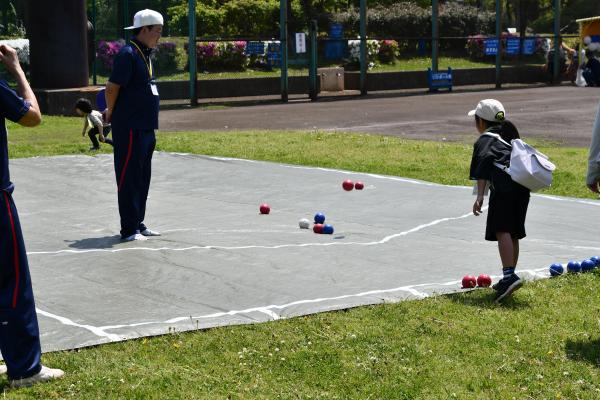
(506, 213)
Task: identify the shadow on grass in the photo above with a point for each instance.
(106, 242)
(484, 298)
(584, 350)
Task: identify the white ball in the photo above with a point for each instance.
(594, 46)
(304, 223)
(587, 40)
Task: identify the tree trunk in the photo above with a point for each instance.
(120, 19)
(57, 32)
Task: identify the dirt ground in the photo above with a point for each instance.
(564, 114)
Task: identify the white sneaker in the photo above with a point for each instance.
(135, 236)
(148, 232)
(2, 369)
(44, 375)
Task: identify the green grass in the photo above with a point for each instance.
(544, 343)
(441, 162)
(404, 64)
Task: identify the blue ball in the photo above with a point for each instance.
(596, 260)
(574, 266)
(556, 269)
(328, 229)
(319, 218)
(587, 265)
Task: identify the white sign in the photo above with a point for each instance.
(300, 42)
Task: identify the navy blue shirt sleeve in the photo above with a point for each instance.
(12, 106)
(122, 67)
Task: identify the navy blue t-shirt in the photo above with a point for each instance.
(136, 106)
(12, 107)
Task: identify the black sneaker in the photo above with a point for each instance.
(506, 286)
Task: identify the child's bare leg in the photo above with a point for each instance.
(506, 248)
(509, 254)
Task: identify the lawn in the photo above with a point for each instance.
(543, 343)
(404, 64)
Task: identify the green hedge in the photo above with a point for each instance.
(410, 20)
(261, 18)
(233, 18)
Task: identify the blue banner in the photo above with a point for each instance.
(335, 31)
(255, 48)
(513, 46)
(528, 46)
(274, 54)
(491, 47)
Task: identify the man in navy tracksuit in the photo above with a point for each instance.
(132, 107)
(19, 333)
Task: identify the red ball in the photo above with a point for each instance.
(348, 185)
(318, 228)
(359, 185)
(484, 280)
(264, 208)
(469, 281)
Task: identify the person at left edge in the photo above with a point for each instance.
(19, 331)
(132, 108)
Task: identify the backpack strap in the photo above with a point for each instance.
(495, 135)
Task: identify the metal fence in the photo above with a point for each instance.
(219, 58)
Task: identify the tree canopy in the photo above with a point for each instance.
(250, 14)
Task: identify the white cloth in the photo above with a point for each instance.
(593, 172)
(579, 80)
(95, 119)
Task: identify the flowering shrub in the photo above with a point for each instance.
(164, 58)
(354, 53)
(388, 51)
(106, 53)
(213, 56)
(233, 55)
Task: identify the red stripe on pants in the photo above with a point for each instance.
(129, 148)
(15, 251)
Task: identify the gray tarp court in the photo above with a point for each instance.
(220, 262)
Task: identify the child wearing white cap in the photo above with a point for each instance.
(508, 200)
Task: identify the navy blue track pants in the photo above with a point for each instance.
(133, 149)
(19, 332)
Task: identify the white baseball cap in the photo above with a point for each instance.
(146, 17)
(490, 110)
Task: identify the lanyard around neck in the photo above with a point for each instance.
(148, 62)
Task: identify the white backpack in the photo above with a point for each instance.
(528, 167)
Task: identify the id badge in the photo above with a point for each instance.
(154, 89)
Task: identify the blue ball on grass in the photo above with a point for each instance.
(587, 265)
(556, 269)
(574, 267)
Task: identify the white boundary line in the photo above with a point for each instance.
(269, 310)
(281, 246)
